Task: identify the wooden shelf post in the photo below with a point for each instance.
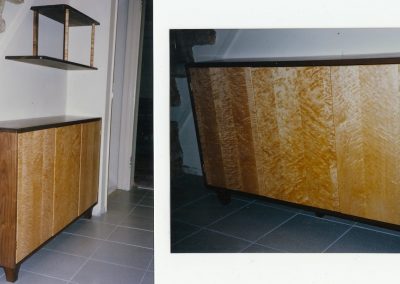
(92, 45)
(35, 33)
(66, 34)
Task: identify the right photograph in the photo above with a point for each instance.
(285, 140)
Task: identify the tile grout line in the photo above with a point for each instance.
(191, 202)
(105, 240)
(94, 252)
(270, 231)
(231, 213)
(200, 228)
(147, 270)
(375, 230)
(341, 236)
(43, 275)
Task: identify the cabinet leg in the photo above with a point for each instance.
(88, 213)
(319, 214)
(224, 196)
(12, 273)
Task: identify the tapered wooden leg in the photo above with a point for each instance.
(12, 273)
(224, 196)
(88, 213)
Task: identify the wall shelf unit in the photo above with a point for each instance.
(69, 17)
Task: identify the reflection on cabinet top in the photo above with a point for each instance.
(33, 124)
(360, 59)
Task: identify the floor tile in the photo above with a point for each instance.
(25, 277)
(205, 211)
(133, 237)
(181, 230)
(187, 189)
(147, 201)
(95, 272)
(124, 255)
(122, 196)
(206, 241)
(110, 217)
(148, 278)
(252, 221)
(138, 222)
(277, 205)
(73, 244)
(259, 249)
(53, 264)
(90, 229)
(359, 240)
(151, 267)
(304, 234)
(118, 207)
(377, 228)
(142, 211)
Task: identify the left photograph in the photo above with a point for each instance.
(76, 142)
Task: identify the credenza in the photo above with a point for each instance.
(318, 132)
(49, 176)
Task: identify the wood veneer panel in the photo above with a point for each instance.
(268, 152)
(238, 84)
(8, 198)
(347, 96)
(225, 127)
(206, 124)
(292, 185)
(316, 105)
(35, 190)
(381, 131)
(67, 171)
(90, 161)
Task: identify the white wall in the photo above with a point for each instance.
(89, 92)
(29, 90)
(277, 43)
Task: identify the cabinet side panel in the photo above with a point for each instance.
(8, 198)
(206, 125)
(381, 131)
(67, 170)
(90, 160)
(35, 190)
(346, 91)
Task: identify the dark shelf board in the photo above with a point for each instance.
(51, 62)
(34, 124)
(57, 12)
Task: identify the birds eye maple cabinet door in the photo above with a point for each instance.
(90, 160)
(35, 190)
(67, 171)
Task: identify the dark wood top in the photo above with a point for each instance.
(32, 124)
(57, 13)
(50, 62)
(361, 59)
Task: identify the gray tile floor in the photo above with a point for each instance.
(116, 247)
(201, 224)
